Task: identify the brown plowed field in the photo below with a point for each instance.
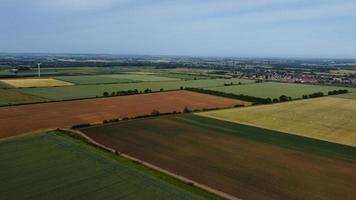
(243, 161)
(27, 118)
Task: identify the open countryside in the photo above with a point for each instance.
(276, 89)
(68, 113)
(330, 119)
(243, 161)
(34, 82)
(55, 166)
(177, 100)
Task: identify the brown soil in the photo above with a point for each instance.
(240, 167)
(16, 120)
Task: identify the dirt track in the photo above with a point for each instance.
(27, 118)
(184, 179)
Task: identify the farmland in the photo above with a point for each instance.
(184, 76)
(348, 96)
(9, 97)
(68, 113)
(67, 71)
(4, 85)
(276, 89)
(55, 166)
(142, 77)
(86, 91)
(244, 161)
(35, 82)
(328, 118)
(87, 80)
(114, 78)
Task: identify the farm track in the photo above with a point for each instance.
(154, 167)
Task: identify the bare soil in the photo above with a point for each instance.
(17, 120)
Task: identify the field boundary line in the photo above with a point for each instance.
(39, 131)
(154, 167)
(203, 114)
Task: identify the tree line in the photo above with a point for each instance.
(255, 100)
(128, 92)
(321, 94)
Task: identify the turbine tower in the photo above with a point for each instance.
(39, 69)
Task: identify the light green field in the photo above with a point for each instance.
(94, 79)
(348, 96)
(12, 97)
(328, 118)
(276, 89)
(344, 71)
(185, 76)
(69, 71)
(141, 77)
(86, 91)
(4, 85)
(55, 166)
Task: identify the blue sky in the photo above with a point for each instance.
(252, 28)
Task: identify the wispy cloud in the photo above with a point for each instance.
(220, 27)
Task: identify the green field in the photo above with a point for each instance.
(185, 76)
(141, 77)
(328, 118)
(93, 79)
(348, 96)
(344, 71)
(86, 91)
(12, 97)
(243, 161)
(276, 89)
(4, 85)
(55, 166)
(69, 71)
(121, 78)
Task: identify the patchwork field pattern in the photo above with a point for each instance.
(328, 118)
(53, 166)
(275, 89)
(85, 80)
(35, 82)
(86, 91)
(21, 119)
(244, 161)
(142, 77)
(184, 76)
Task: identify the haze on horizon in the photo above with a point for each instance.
(254, 28)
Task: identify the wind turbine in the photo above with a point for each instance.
(39, 69)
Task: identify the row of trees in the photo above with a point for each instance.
(314, 95)
(129, 92)
(320, 94)
(232, 83)
(153, 113)
(336, 92)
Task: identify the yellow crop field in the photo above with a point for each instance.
(35, 82)
(330, 119)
